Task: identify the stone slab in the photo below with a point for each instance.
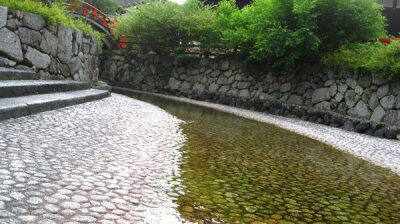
(16, 74)
(25, 105)
(32, 87)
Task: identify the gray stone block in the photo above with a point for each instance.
(3, 16)
(37, 58)
(49, 43)
(10, 45)
(393, 117)
(64, 45)
(30, 37)
(378, 114)
(321, 94)
(387, 102)
(33, 21)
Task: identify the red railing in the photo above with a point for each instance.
(86, 9)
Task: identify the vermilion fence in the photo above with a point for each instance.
(87, 10)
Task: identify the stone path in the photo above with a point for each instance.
(109, 161)
(381, 152)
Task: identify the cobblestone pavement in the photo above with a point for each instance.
(381, 152)
(108, 161)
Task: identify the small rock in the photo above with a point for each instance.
(363, 126)
(84, 219)
(12, 24)
(348, 126)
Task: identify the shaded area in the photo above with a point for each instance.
(236, 170)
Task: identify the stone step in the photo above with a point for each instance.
(25, 105)
(16, 88)
(16, 74)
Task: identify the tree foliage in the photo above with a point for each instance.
(280, 33)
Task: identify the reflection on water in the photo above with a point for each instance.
(236, 170)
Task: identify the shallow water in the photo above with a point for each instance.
(236, 170)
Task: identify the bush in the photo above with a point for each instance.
(285, 32)
(368, 57)
(165, 25)
(54, 14)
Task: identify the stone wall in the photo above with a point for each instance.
(361, 103)
(54, 52)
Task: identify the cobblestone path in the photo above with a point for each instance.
(109, 161)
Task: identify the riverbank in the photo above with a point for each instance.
(382, 152)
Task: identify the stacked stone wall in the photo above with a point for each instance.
(28, 42)
(355, 102)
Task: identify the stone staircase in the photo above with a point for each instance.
(21, 94)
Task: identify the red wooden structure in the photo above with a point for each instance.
(86, 10)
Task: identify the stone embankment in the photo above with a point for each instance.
(361, 103)
(54, 52)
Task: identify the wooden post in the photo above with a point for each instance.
(394, 4)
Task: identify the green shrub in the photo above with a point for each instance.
(164, 25)
(368, 57)
(54, 14)
(285, 32)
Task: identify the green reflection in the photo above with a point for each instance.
(236, 170)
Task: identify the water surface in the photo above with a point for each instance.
(236, 170)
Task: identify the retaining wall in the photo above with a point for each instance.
(362, 103)
(28, 42)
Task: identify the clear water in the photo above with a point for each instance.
(236, 170)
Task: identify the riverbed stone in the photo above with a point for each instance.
(37, 58)
(320, 95)
(33, 21)
(64, 45)
(10, 45)
(3, 16)
(30, 37)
